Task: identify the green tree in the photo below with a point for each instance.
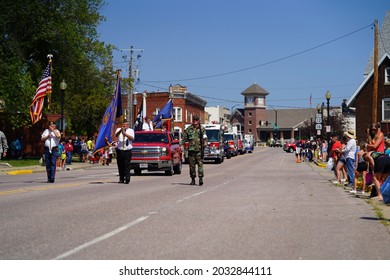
(338, 123)
(67, 29)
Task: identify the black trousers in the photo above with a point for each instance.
(123, 160)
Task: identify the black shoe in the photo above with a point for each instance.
(52, 181)
(200, 181)
(192, 181)
(121, 181)
(127, 180)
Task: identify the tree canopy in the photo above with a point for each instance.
(67, 29)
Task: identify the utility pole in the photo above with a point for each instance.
(375, 93)
(130, 94)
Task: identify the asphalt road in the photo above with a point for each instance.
(255, 206)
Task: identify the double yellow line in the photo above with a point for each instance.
(45, 188)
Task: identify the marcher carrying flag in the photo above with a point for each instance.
(166, 114)
(44, 88)
(112, 115)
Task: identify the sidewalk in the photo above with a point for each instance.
(382, 210)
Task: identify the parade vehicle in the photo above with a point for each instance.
(156, 150)
(214, 149)
(232, 140)
(249, 143)
(240, 143)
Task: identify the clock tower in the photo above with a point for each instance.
(254, 108)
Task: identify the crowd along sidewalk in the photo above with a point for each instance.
(382, 210)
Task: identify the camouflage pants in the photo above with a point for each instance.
(195, 158)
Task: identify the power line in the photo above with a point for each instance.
(266, 63)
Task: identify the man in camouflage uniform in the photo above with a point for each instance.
(196, 137)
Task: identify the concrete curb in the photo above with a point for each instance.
(9, 170)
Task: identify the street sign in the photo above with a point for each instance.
(318, 132)
(328, 128)
(319, 115)
(318, 120)
(318, 126)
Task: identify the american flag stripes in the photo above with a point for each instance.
(44, 88)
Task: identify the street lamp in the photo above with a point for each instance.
(63, 86)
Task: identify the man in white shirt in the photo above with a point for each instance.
(124, 146)
(349, 152)
(3, 145)
(52, 137)
(147, 125)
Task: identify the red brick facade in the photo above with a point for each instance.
(185, 105)
(364, 102)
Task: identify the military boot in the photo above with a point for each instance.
(192, 181)
(200, 181)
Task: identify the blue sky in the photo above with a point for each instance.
(293, 49)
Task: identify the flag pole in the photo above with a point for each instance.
(50, 57)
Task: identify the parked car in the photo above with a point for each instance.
(275, 143)
(290, 147)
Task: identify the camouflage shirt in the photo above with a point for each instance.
(192, 136)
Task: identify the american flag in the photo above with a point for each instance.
(44, 88)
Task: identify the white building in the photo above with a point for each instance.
(218, 114)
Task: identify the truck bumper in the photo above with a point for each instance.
(151, 165)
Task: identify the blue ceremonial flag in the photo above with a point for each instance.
(140, 118)
(165, 114)
(113, 112)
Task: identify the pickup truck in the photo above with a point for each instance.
(289, 147)
(156, 151)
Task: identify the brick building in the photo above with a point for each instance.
(362, 98)
(273, 123)
(185, 105)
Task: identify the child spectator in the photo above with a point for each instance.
(361, 167)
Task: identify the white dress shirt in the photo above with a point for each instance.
(147, 126)
(52, 141)
(123, 142)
